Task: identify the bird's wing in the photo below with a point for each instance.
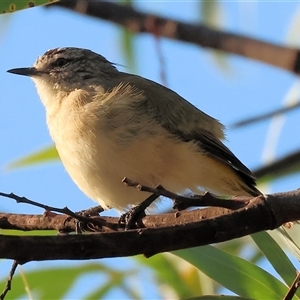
(172, 111)
(186, 122)
(214, 147)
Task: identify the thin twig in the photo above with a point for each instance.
(181, 202)
(265, 116)
(64, 210)
(9, 279)
(292, 290)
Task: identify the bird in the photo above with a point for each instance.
(107, 125)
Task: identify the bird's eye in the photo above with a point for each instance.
(60, 62)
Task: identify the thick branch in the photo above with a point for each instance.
(160, 233)
(138, 22)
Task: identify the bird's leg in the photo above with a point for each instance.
(90, 212)
(137, 212)
(180, 202)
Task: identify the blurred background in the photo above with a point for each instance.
(227, 87)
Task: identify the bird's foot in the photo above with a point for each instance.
(81, 225)
(135, 214)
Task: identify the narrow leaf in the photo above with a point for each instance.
(127, 43)
(211, 15)
(41, 156)
(168, 273)
(55, 283)
(275, 256)
(218, 297)
(234, 273)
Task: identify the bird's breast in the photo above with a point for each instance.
(98, 158)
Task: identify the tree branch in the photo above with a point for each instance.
(265, 116)
(293, 289)
(9, 279)
(138, 22)
(156, 233)
(283, 166)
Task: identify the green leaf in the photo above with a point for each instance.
(41, 156)
(128, 47)
(275, 256)
(290, 238)
(210, 12)
(12, 6)
(116, 280)
(61, 280)
(218, 297)
(127, 39)
(102, 291)
(29, 232)
(234, 273)
(169, 272)
(211, 15)
(240, 245)
(55, 283)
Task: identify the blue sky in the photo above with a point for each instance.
(249, 88)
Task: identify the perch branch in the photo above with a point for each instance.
(159, 233)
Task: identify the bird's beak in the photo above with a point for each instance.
(25, 71)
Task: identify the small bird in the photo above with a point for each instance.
(107, 125)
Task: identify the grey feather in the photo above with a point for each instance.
(170, 110)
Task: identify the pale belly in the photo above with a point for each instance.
(98, 169)
(103, 141)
